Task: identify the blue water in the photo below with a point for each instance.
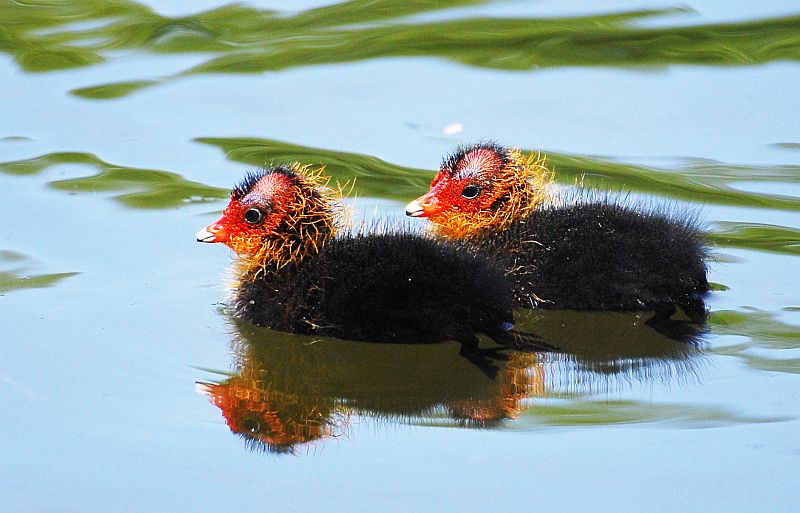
(98, 408)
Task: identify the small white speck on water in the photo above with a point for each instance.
(453, 128)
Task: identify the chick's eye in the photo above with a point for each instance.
(471, 191)
(251, 425)
(253, 216)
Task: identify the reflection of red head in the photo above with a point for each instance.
(273, 421)
(521, 379)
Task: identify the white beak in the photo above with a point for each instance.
(205, 236)
(202, 388)
(413, 209)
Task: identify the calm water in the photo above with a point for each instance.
(122, 378)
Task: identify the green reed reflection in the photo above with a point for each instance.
(762, 237)
(373, 177)
(52, 35)
(111, 91)
(589, 413)
(759, 325)
(15, 274)
(696, 180)
(763, 330)
(703, 181)
(139, 188)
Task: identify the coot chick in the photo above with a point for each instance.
(584, 254)
(296, 275)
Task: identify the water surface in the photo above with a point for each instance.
(126, 386)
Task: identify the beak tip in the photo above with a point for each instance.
(414, 209)
(203, 388)
(205, 235)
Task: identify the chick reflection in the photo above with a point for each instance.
(270, 420)
(604, 351)
(288, 390)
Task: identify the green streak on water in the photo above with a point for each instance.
(138, 188)
(768, 337)
(38, 164)
(788, 146)
(112, 91)
(372, 177)
(759, 325)
(696, 180)
(586, 413)
(762, 237)
(41, 36)
(19, 277)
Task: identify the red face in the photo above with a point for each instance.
(253, 410)
(468, 184)
(483, 188)
(251, 217)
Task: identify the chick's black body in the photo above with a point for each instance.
(601, 255)
(387, 287)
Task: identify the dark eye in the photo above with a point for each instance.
(471, 191)
(251, 425)
(253, 216)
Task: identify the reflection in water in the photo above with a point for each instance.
(268, 418)
(776, 340)
(694, 180)
(136, 187)
(244, 39)
(288, 391)
(15, 273)
(605, 350)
